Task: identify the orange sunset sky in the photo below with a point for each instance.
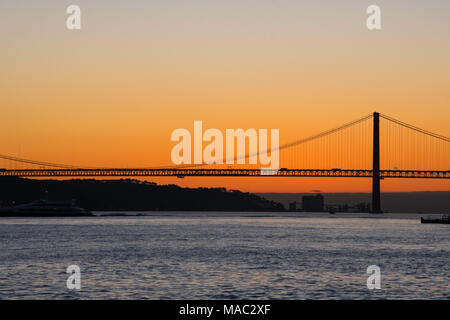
(111, 93)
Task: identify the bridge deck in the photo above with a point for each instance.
(143, 172)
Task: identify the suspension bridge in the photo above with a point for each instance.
(375, 146)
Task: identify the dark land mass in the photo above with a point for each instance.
(401, 202)
(130, 195)
(135, 195)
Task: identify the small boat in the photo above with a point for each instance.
(444, 220)
(43, 208)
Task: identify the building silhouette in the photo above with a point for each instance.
(313, 203)
(293, 206)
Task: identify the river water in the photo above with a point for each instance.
(211, 255)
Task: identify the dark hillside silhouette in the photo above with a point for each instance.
(133, 195)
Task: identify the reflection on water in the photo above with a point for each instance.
(224, 256)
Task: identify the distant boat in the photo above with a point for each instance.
(444, 220)
(43, 208)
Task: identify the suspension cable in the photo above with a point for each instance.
(235, 158)
(40, 163)
(434, 135)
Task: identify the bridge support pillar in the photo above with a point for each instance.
(376, 197)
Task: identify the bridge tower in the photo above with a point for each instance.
(376, 198)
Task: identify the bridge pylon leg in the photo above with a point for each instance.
(376, 194)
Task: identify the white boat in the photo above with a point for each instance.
(43, 208)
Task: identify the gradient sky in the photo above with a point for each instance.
(112, 93)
